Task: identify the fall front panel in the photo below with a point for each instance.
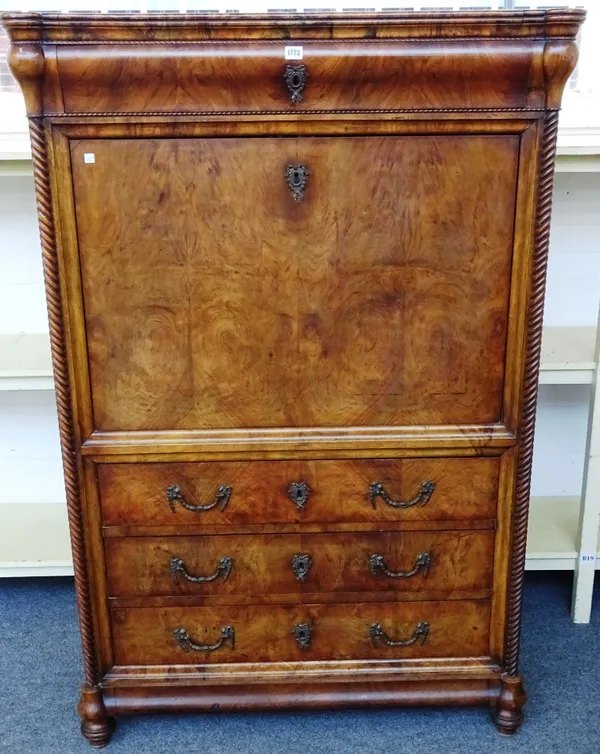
(372, 290)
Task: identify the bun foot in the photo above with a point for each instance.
(96, 726)
(507, 714)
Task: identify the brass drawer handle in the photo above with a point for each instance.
(302, 632)
(377, 632)
(377, 489)
(377, 566)
(295, 77)
(221, 499)
(178, 566)
(299, 493)
(183, 639)
(296, 177)
(301, 565)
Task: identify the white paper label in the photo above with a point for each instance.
(89, 158)
(294, 53)
(588, 557)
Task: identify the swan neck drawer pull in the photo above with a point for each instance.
(376, 632)
(377, 489)
(224, 567)
(222, 497)
(183, 639)
(378, 566)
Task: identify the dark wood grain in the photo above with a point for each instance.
(507, 713)
(135, 494)
(353, 312)
(174, 27)
(96, 725)
(341, 76)
(264, 634)
(460, 561)
(208, 329)
(123, 700)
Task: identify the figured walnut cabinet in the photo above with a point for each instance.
(295, 312)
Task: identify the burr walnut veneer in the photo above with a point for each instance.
(295, 304)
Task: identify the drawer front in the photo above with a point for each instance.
(428, 563)
(168, 494)
(192, 636)
(253, 77)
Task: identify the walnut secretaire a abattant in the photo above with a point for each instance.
(295, 272)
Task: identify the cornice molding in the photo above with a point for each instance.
(169, 27)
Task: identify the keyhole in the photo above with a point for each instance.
(298, 493)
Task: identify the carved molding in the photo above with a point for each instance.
(530, 389)
(258, 41)
(168, 114)
(63, 393)
(490, 25)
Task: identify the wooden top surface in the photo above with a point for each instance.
(82, 28)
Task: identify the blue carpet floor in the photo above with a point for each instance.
(40, 677)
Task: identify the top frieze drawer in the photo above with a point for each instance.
(257, 77)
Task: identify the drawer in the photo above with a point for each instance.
(251, 77)
(432, 564)
(199, 635)
(407, 490)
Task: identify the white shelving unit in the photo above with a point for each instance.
(588, 546)
(564, 532)
(25, 362)
(568, 356)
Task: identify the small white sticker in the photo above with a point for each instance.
(89, 158)
(587, 558)
(294, 53)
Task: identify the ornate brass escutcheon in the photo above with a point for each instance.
(302, 632)
(301, 565)
(299, 492)
(295, 77)
(296, 177)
